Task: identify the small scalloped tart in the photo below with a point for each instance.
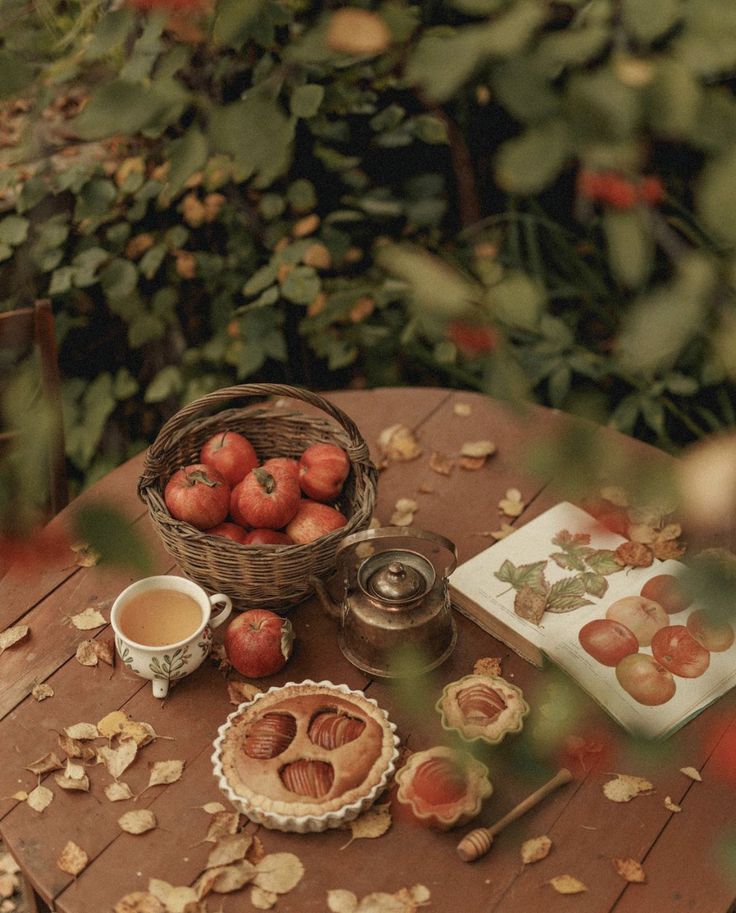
(304, 757)
(482, 707)
(443, 788)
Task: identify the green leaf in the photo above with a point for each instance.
(673, 100)
(429, 129)
(301, 195)
(716, 196)
(531, 575)
(602, 562)
(124, 385)
(94, 200)
(517, 300)
(522, 88)
(566, 595)
(119, 278)
(630, 245)
(257, 134)
(152, 260)
(305, 100)
(647, 21)
(86, 265)
(302, 285)
(61, 280)
(15, 74)
(122, 106)
(144, 328)
(233, 20)
(529, 163)
(595, 584)
(478, 7)
(168, 382)
(110, 32)
(570, 47)
(113, 536)
(600, 108)
(261, 279)
(186, 155)
(13, 230)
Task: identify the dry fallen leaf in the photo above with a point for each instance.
(229, 849)
(74, 777)
(137, 822)
(9, 884)
(404, 511)
(73, 748)
(72, 859)
(42, 691)
(46, 764)
(39, 798)
(86, 556)
(238, 692)
(105, 650)
(535, 848)
(222, 823)
(227, 878)
(462, 409)
(566, 884)
(341, 901)
(212, 807)
(488, 665)
(512, 504)
(117, 760)
(117, 791)
(81, 732)
(140, 733)
(478, 449)
(279, 872)
(89, 619)
(625, 787)
(441, 463)
(398, 442)
(11, 636)
(112, 724)
(164, 772)
(139, 902)
(174, 899)
(262, 900)
(86, 654)
(629, 869)
(372, 823)
(671, 806)
(633, 554)
(8, 864)
(691, 772)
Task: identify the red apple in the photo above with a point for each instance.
(282, 463)
(322, 470)
(230, 454)
(229, 531)
(267, 537)
(677, 650)
(198, 494)
(607, 641)
(666, 589)
(313, 520)
(643, 617)
(234, 509)
(715, 636)
(259, 642)
(267, 499)
(648, 682)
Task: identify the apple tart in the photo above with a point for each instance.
(305, 757)
(482, 707)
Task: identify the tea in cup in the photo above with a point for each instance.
(163, 627)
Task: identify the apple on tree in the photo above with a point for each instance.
(259, 642)
(229, 453)
(198, 494)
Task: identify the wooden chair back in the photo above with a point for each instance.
(20, 331)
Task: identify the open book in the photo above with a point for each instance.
(554, 589)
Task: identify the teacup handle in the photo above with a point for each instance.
(216, 620)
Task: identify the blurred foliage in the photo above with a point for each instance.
(534, 199)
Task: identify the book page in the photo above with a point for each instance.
(567, 555)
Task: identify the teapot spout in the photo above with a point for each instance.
(329, 604)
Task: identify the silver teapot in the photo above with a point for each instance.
(392, 602)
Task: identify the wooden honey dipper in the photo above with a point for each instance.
(478, 842)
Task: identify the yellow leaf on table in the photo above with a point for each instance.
(212, 807)
(12, 636)
(512, 504)
(630, 870)
(117, 791)
(279, 872)
(625, 787)
(112, 723)
(139, 902)
(462, 409)
(86, 654)
(372, 823)
(535, 848)
(229, 848)
(670, 805)
(567, 884)
(223, 822)
(262, 900)
(341, 901)
(398, 443)
(175, 899)
(82, 732)
(86, 556)
(46, 764)
(41, 692)
(227, 878)
(72, 859)
(117, 760)
(89, 619)
(39, 798)
(165, 772)
(692, 772)
(137, 822)
(74, 777)
(478, 449)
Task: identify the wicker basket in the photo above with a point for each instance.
(261, 576)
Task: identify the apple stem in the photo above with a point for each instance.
(265, 480)
(200, 476)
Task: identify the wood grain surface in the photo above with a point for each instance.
(682, 853)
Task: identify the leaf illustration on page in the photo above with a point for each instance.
(530, 575)
(566, 595)
(594, 584)
(602, 561)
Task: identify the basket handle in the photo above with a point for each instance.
(358, 448)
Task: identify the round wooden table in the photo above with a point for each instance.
(685, 854)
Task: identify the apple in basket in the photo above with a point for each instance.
(231, 454)
(198, 494)
(229, 531)
(266, 537)
(266, 499)
(322, 470)
(259, 642)
(313, 520)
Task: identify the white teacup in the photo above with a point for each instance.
(162, 635)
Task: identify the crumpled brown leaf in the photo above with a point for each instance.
(239, 692)
(625, 787)
(86, 556)
(567, 884)
(12, 636)
(46, 764)
(535, 848)
(488, 665)
(82, 732)
(398, 443)
(86, 654)
(72, 859)
(630, 870)
(222, 823)
(441, 463)
(41, 691)
(74, 777)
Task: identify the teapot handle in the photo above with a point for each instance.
(442, 552)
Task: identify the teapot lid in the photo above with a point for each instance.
(396, 576)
